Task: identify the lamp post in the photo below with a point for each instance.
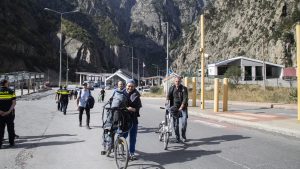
(167, 59)
(138, 69)
(60, 40)
(131, 59)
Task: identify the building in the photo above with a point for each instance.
(252, 69)
(98, 78)
(120, 75)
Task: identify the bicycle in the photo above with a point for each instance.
(120, 145)
(166, 128)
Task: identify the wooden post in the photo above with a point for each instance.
(216, 95)
(298, 66)
(194, 92)
(186, 82)
(225, 95)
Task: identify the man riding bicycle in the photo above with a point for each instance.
(178, 96)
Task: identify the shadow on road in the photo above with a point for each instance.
(145, 166)
(29, 142)
(179, 152)
(144, 130)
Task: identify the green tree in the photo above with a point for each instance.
(234, 74)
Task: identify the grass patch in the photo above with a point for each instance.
(255, 93)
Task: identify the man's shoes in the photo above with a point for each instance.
(178, 140)
(184, 140)
(17, 136)
(133, 157)
(0, 146)
(80, 125)
(11, 144)
(88, 127)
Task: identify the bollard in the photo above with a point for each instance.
(194, 92)
(225, 94)
(216, 95)
(186, 82)
(298, 66)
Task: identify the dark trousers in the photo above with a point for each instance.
(132, 137)
(183, 121)
(58, 105)
(64, 106)
(9, 121)
(102, 98)
(87, 111)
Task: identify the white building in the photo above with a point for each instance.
(252, 69)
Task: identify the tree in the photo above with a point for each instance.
(234, 74)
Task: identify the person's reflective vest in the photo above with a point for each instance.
(5, 95)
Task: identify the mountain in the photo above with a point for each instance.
(94, 38)
(262, 29)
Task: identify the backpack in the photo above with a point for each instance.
(90, 101)
(119, 100)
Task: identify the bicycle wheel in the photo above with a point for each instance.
(166, 140)
(121, 153)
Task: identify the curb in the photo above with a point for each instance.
(254, 125)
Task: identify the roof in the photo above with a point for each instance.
(172, 75)
(123, 74)
(153, 77)
(225, 62)
(93, 74)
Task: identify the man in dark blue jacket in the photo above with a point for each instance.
(134, 105)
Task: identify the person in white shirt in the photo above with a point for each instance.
(82, 98)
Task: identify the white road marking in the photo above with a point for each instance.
(209, 124)
(234, 162)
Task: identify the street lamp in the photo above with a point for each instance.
(138, 69)
(60, 41)
(131, 59)
(167, 59)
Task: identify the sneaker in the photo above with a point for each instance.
(178, 140)
(88, 127)
(184, 140)
(133, 157)
(17, 136)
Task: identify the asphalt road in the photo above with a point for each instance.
(50, 140)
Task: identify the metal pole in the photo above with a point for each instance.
(298, 66)
(202, 61)
(60, 50)
(67, 73)
(167, 73)
(194, 95)
(138, 72)
(132, 62)
(264, 64)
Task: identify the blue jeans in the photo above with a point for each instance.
(183, 121)
(132, 137)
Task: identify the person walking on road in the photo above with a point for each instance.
(134, 105)
(82, 100)
(57, 98)
(178, 96)
(102, 94)
(7, 108)
(64, 99)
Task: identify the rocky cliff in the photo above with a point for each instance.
(257, 29)
(94, 38)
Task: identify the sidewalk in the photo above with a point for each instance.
(280, 124)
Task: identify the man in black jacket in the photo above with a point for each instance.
(134, 105)
(178, 96)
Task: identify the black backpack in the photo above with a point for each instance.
(90, 101)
